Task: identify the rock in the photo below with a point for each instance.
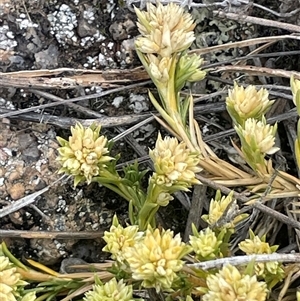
(47, 59)
(28, 146)
(16, 191)
(85, 29)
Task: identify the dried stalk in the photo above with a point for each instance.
(244, 260)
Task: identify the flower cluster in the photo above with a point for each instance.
(165, 29)
(84, 153)
(188, 70)
(247, 108)
(174, 163)
(230, 285)
(10, 280)
(156, 259)
(166, 33)
(205, 244)
(159, 69)
(259, 136)
(220, 206)
(257, 139)
(118, 239)
(270, 271)
(295, 85)
(110, 291)
(247, 103)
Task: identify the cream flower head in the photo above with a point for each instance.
(156, 259)
(230, 285)
(84, 153)
(110, 291)
(205, 244)
(257, 140)
(159, 69)
(188, 70)
(10, 280)
(220, 205)
(165, 29)
(118, 239)
(247, 103)
(174, 163)
(295, 85)
(257, 245)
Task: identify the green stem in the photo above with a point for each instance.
(150, 207)
(12, 258)
(147, 215)
(171, 97)
(113, 182)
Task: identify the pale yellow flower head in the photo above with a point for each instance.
(205, 244)
(257, 245)
(174, 163)
(188, 70)
(118, 239)
(247, 103)
(165, 29)
(159, 69)
(230, 285)
(110, 291)
(6, 293)
(257, 140)
(295, 85)
(156, 259)
(84, 153)
(220, 205)
(164, 198)
(10, 280)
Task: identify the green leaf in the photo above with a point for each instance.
(184, 108)
(250, 268)
(194, 230)
(297, 152)
(61, 141)
(132, 217)
(297, 99)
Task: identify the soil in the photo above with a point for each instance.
(69, 49)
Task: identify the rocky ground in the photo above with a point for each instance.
(93, 41)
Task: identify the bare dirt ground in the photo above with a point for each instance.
(52, 52)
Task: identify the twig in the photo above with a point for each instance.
(50, 234)
(45, 217)
(57, 78)
(125, 132)
(288, 115)
(257, 71)
(250, 57)
(81, 98)
(255, 20)
(265, 209)
(223, 4)
(244, 260)
(273, 12)
(244, 43)
(76, 107)
(25, 201)
(194, 216)
(67, 122)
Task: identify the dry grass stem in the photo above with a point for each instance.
(245, 259)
